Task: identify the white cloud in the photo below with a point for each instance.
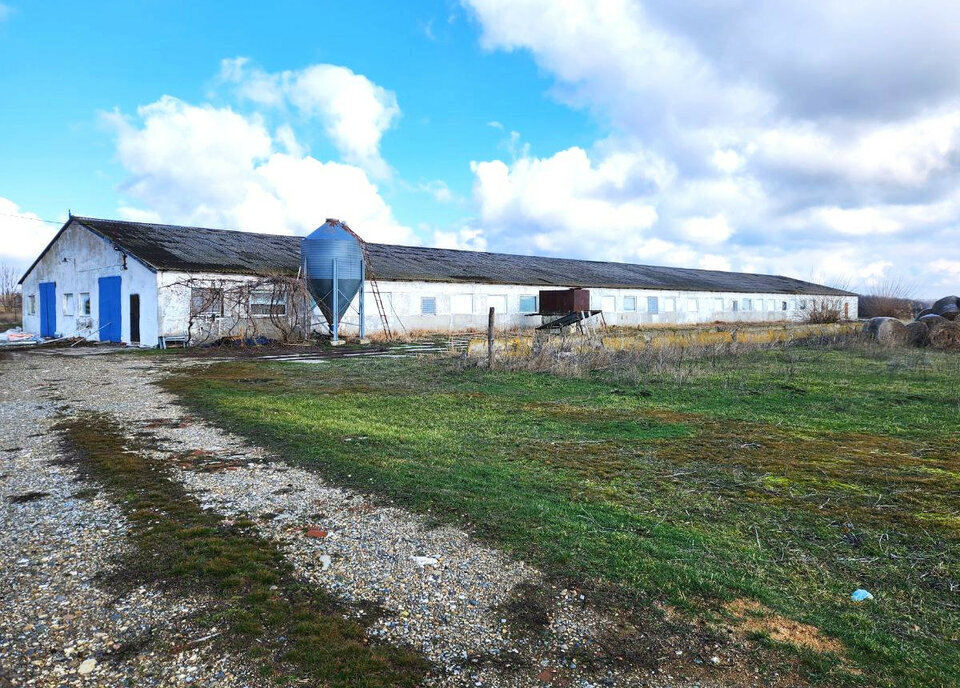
(355, 112)
(790, 137)
(466, 238)
(215, 167)
(562, 201)
(23, 235)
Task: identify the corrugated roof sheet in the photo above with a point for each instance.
(198, 249)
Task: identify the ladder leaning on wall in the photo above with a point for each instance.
(372, 278)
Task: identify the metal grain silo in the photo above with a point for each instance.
(333, 267)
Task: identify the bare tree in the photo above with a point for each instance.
(9, 289)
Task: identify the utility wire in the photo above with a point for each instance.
(35, 219)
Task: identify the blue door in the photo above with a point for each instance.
(109, 288)
(48, 309)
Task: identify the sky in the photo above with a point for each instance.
(819, 140)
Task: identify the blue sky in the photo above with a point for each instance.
(812, 141)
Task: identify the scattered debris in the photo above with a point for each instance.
(87, 666)
(859, 595)
(425, 561)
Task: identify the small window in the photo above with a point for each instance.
(461, 304)
(771, 305)
(802, 305)
(84, 303)
(498, 303)
(783, 305)
(608, 304)
(653, 305)
(669, 305)
(428, 305)
(528, 304)
(718, 305)
(209, 301)
(32, 305)
(748, 304)
(736, 306)
(629, 303)
(68, 304)
(263, 303)
(692, 306)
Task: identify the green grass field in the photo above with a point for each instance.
(777, 481)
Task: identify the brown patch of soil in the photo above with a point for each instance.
(753, 617)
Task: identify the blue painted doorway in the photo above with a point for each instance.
(109, 288)
(48, 309)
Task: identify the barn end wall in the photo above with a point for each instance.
(75, 262)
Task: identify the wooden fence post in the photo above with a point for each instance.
(490, 340)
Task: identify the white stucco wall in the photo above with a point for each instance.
(465, 306)
(76, 260)
(402, 301)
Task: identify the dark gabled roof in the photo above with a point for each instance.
(197, 249)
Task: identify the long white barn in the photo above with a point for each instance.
(140, 283)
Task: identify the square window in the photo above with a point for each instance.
(461, 304)
(68, 304)
(428, 305)
(528, 304)
(608, 304)
(669, 305)
(783, 305)
(653, 305)
(263, 303)
(498, 303)
(771, 305)
(209, 301)
(736, 306)
(31, 305)
(692, 306)
(718, 305)
(802, 304)
(629, 303)
(748, 304)
(84, 303)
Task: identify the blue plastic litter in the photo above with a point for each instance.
(860, 595)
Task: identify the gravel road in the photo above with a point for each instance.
(439, 591)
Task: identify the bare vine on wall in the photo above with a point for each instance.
(275, 307)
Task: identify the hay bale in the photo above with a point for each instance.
(945, 336)
(947, 307)
(888, 331)
(918, 334)
(931, 319)
(925, 311)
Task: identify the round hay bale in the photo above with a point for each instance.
(945, 336)
(887, 331)
(947, 307)
(931, 319)
(925, 311)
(918, 334)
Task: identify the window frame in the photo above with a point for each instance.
(629, 304)
(67, 306)
(536, 304)
(84, 307)
(457, 310)
(428, 299)
(695, 302)
(209, 307)
(653, 301)
(31, 304)
(271, 303)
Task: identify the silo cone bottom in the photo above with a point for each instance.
(363, 341)
(337, 342)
